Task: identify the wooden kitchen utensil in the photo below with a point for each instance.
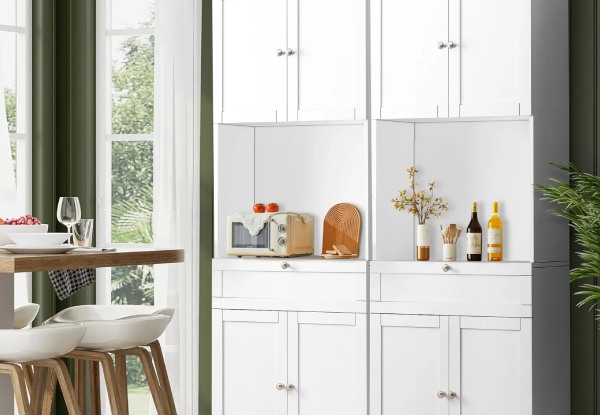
(342, 227)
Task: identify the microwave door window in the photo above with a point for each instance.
(241, 238)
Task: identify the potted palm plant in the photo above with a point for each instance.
(579, 198)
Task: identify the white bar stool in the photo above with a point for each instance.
(120, 330)
(40, 347)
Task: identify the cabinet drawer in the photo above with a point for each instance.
(464, 289)
(293, 285)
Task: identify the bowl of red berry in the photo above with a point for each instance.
(23, 224)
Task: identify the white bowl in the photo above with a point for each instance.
(39, 239)
(6, 229)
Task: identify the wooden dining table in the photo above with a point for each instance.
(15, 263)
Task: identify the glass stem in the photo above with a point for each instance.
(69, 231)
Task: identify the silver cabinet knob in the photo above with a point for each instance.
(452, 45)
(442, 45)
(290, 387)
(446, 268)
(290, 52)
(285, 265)
(452, 395)
(441, 394)
(280, 386)
(279, 52)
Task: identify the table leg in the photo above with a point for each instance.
(7, 321)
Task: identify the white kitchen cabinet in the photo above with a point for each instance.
(409, 364)
(490, 366)
(457, 365)
(250, 79)
(457, 58)
(490, 67)
(278, 60)
(296, 363)
(250, 358)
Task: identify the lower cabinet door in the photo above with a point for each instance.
(249, 360)
(327, 363)
(409, 365)
(490, 366)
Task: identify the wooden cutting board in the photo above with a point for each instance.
(342, 227)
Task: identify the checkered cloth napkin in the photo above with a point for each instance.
(68, 282)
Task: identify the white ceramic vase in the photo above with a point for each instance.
(422, 242)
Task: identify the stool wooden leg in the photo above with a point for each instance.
(163, 376)
(19, 386)
(49, 391)
(151, 378)
(37, 390)
(79, 382)
(59, 367)
(108, 369)
(28, 373)
(95, 388)
(121, 371)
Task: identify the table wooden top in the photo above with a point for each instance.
(11, 263)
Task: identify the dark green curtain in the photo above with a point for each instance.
(63, 130)
(584, 49)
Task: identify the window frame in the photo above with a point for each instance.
(105, 138)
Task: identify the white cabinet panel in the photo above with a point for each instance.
(409, 364)
(490, 69)
(326, 73)
(490, 366)
(410, 72)
(327, 364)
(250, 75)
(249, 359)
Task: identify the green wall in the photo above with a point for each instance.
(584, 43)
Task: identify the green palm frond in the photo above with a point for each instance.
(579, 201)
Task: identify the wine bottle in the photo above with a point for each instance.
(474, 237)
(495, 236)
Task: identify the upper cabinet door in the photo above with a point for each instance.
(490, 366)
(327, 61)
(409, 364)
(409, 58)
(490, 65)
(327, 364)
(249, 60)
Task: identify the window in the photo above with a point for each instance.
(15, 52)
(125, 90)
(15, 87)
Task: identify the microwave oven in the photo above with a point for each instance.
(280, 234)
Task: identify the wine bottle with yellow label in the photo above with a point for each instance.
(494, 237)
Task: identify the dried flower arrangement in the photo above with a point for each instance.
(420, 203)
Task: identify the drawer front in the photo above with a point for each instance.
(464, 289)
(294, 285)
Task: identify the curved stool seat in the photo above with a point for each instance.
(25, 315)
(120, 330)
(40, 348)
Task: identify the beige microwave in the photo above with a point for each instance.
(280, 234)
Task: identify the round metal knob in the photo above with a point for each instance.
(441, 394)
(452, 45)
(452, 395)
(290, 52)
(446, 268)
(285, 265)
(442, 45)
(290, 387)
(279, 52)
(280, 386)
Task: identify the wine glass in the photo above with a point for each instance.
(68, 212)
